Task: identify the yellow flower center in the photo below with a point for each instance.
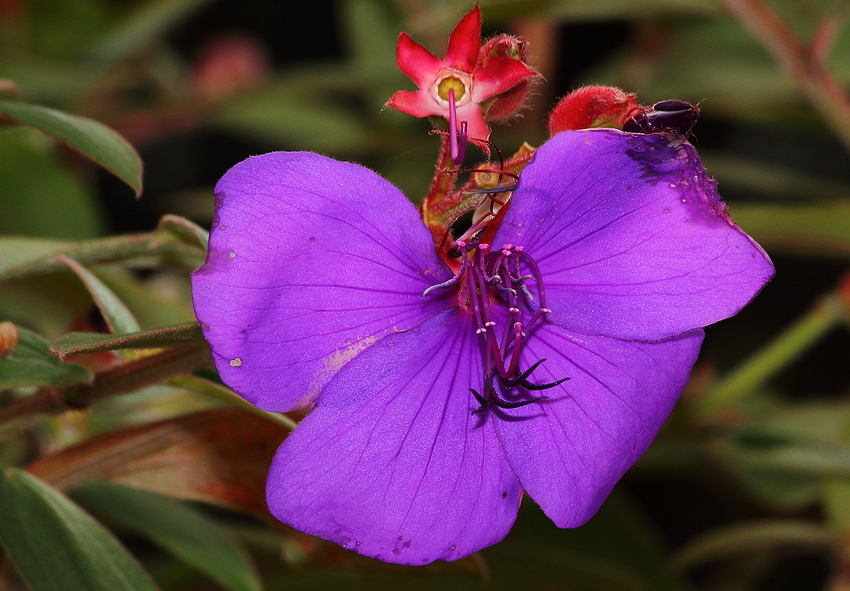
(451, 83)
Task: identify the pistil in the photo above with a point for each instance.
(493, 285)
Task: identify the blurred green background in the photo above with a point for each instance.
(748, 485)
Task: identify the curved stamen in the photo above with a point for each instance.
(461, 273)
(512, 383)
(505, 404)
(499, 278)
(499, 189)
(485, 401)
(529, 386)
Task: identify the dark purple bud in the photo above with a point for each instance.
(676, 116)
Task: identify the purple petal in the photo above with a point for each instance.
(310, 262)
(631, 237)
(391, 463)
(570, 450)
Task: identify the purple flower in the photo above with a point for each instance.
(434, 413)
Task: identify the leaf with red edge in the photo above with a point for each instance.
(219, 456)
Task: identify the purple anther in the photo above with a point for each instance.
(458, 149)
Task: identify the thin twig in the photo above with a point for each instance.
(804, 67)
(127, 377)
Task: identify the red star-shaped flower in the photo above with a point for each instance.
(473, 80)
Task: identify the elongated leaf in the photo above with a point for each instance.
(218, 456)
(39, 194)
(176, 527)
(56, 546)
(219, 392)
(93, 139)
(750, 537)
(26, 257)
(118, 316)
(32, 364)
(142, 27)
(185, 231)
(817, 228)
(21, 252)
(91, 342)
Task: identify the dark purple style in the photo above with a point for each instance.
(545, 366)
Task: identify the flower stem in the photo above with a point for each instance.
(434, 206)
(127, 377)
(825, 315)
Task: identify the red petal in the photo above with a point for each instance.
(416, 62)
(476, 128)
(499, 76)
(465, 42)
(418, 104)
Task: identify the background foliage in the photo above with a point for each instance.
(126, 464)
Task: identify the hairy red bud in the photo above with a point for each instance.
(500, 50)
(592, 106)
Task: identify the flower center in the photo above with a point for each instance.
(451, 83)
(503, 288)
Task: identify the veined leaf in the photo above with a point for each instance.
(92, 342)
(32, 364)
(217, 456)
(93, 139)
(56, 546)
(176, 527)
(118, 316)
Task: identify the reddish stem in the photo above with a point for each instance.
(801, 65)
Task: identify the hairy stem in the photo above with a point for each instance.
(127, 377)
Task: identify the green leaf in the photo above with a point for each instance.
(26, 257)
(39, 194)
(22, 252)
(117, 315)
(225, 394)
(32, 364)
(183, 230)
(177, 528)
(752, 536)
(278, 115)
(92, 342)
(56, 546)
(817, 228)
(142, 27)
(91, 138)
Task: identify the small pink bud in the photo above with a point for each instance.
(230, 64)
